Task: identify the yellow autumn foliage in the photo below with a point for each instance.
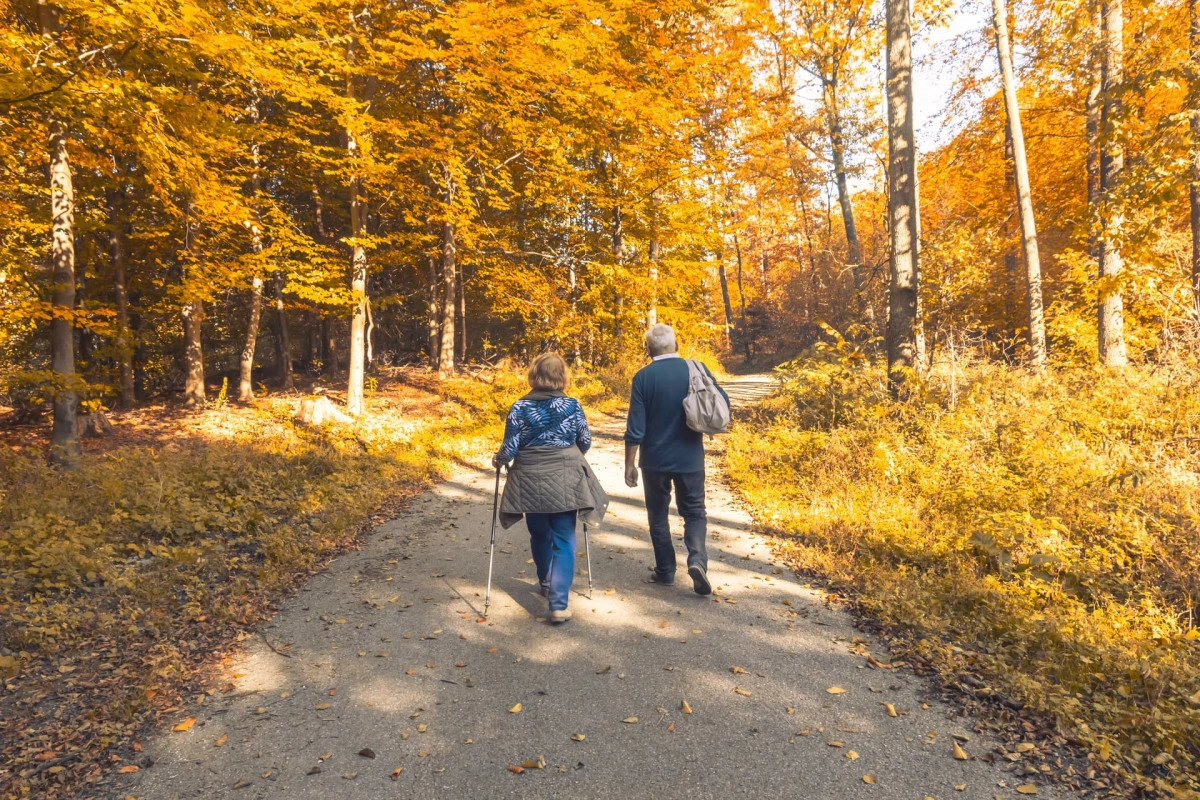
(1038, 531)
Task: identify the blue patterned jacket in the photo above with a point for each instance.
(548, 422)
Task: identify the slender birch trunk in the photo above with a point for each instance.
(449, 291)
(724, 280)
(193, 328)
(1111, 312)
(462, 314)
(246, 367)
(1033, 268)
(618, 250)
(358, 261)
(117, 256)
(902, 197)
(431, 311)
(1092, 131)
(655, 258)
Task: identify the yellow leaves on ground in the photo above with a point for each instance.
(891, 710)
(684, 708)
(578, 737)
(516, 709)
(395, 774)
(1027, 788)
(959, 753)
(870, 779)
(630, 720)
(836, 690)
(321, 706)
(852, 755)
(186, 725)
(221, 740)
(741, 691)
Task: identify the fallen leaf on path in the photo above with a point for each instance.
(516, 709)
(540, 763)
(326, 756)
(578, 737)
(629, 720)
(128, 768)
(835, 690)
(962, 787)
(460, 664)
(410, 672)
(1027, 788)
(741, 691)
(685, 708)
(959, 753)
(349, 776)
(242, 784)
(395, 774)
(221, 740)
(186, 725)
(260, 710)
(494, 650)
(367, 752)
(321, 706)
(870, 779)
(605, 670)
(314, 771)
(671, 728)
(516, 770)
(422, 728)
(1025, 747)
(790, 710)
(891, 710)
(852, 755)
(736, 670)
(836, 743)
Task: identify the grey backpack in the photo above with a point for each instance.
(704, 407)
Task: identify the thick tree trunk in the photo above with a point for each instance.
(449, 292)
(285, 339)
(193, 355)
(64, 440)
(1194, 188)
(117, 254)
(1111, 312)
(1033, 267)
(902, 197)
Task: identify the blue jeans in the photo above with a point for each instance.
(689, 499)
(552, 539)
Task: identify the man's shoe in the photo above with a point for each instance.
(660, 580)
(560, 616)
(544, 591)
(700, 580)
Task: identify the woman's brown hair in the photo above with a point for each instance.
(548, 373)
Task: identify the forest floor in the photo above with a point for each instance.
(381, 678)
(122, 583)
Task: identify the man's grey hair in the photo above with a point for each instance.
(660, 339)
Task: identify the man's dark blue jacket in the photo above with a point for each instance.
(656, 420)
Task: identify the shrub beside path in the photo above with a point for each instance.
(381, 679)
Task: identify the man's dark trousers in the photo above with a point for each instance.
(689, 499)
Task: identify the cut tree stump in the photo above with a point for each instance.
(318, 411)
(96, 424)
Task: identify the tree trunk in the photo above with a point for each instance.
(193, 355)
(449, 292)
(462, 315)
(833, 115)
(618, 250)
(655, 257)
(1194, 188)
(358, 260)
(1111, 313)
(64, 440)
(1033, 267)
(431, 310)
(329, 346)
(902, 197)
(721, 275)
(246, 371)
(117, 253)
(1092, 132)
(285, 339)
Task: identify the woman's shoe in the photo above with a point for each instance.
(560, 616)
(545, 591)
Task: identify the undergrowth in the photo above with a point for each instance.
(1040, 532)
(120, 579)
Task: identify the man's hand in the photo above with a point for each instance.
(498, 462)
(631, 476)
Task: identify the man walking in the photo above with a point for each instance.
(672, 454)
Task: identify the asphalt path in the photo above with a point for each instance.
(382, 679)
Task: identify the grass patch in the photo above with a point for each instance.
(1040, 533)
(118, 581)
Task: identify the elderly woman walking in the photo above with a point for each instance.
(550, 483)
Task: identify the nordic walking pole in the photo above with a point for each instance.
(587, 551)
(487, 600)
